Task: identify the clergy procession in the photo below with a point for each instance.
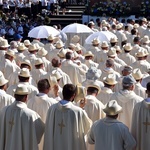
(85, 90)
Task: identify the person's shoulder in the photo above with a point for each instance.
(76, 108)
(139, 104)
(32, 87)
(30, 113)
(50, 100)
(137, 97)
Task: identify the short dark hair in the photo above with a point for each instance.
(25, 66)
(92, 90)
(23, 79)
(148, 86)
(68, 91)
(133, 31)
(38, 66)
(1, 87)
(69, 55)
(136, 39)
(19, 97)
(43, 84)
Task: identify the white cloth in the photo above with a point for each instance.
(143, 65)
(40, 104)
(8, 67)
(22, 127)
(127, 100)
(121, 37)
(127, 58)
(47, 64)
(73, 71)
(139, 90)
(101, 56)
(37, 73)
(105, 95)
(32, 58)
(94, 108)
(49, 47)
(65, 77)
(139, 129)
(5, 99)
(90, 63)
(110, 134)
(119, 61)
(19, 58)
(117, 67)
(107, 71)
(66, 126)
(35, 40)
(52, 54)
(145, 81)
(141, 31)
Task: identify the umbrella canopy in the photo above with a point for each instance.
(77, 28)
(102, 36)
(43, 32)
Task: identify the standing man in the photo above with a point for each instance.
(141, 121)
(5, 99)
(109, 133)
(127, 99)
(20, 127)
(66, 124)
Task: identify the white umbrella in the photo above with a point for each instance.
(77, 28)
(102, 36)
(43, 32)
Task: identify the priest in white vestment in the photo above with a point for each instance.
(39, 70)
(20, 55)
(107, 90)
(101, 56)
(126, 56)
(93, 106)
(8, 65)
(139, 89)
(72, 69)
(109, 69)
(140, 127)
(141, 62)
(66, 124)
(21, 128)
(127, 99)
(109, 133)
(49, 47)
(53, 53)
(5, 99)
(146, 79)
(13, 78)
(56, 64)
(42, 54)
(24, 77)
(32, 56)
(3, 47)
(40, 103)
(120, 35)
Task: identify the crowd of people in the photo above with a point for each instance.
(118, 8)
(32, 8)
(62, 96)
